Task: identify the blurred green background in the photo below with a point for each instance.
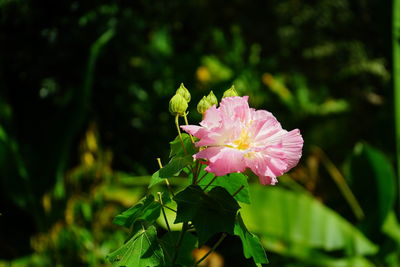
(84, 91)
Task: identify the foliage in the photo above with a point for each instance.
(84, 95)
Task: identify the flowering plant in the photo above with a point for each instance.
(230, 139)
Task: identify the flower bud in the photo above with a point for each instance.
(212, 99)
(183, 91)
(230, 92)
(203, 105)
(178, 105)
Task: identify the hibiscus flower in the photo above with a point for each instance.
(235, 137)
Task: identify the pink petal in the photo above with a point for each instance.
(267, 168)
(223, 160)
(261, 115)
(212, 118)
(263, 129)
(235, 109)
(266, 180)
(292, 145)
(193, 130)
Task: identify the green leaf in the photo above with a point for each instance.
(231, 182)
(177, 149)
(372, 181)
(147, 209)
(391, 227)
(142, 250)
(155, 179)
(211, 212)
(179, 159)
(295, 224)
(252, 247)
(189, 242)
(175, 166)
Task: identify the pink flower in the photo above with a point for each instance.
(236, 137)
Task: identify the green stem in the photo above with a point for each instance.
(341, 183)
(179, 133)
(237, 191)
(212, 181)
(168, 208)
(166, 180)
(396, 81)
(196, 172)
(163, 211)
(212, 249)
(187, 123)
(202, 177)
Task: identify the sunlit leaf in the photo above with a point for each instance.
(175, 166)
(177, 149)
(147, 209)
(290, 222)
(142, 250)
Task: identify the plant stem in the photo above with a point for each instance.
(212, 181)
(180, 239)
(341, 183)
(201, 178)
(166, 180)
(396, 81)
(179, 133)
(163, 211)
(168, 208)
(187, 123)
(212, 249)
(196, 172)
(237, 191)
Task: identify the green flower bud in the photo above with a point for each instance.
(183, 91)
(178, 105)
(203, 105)
(212, 99)
(230, 92)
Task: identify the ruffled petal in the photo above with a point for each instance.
(234, 109)
(212, 118)
(194, 130)
(292, 144)
(223, 160)
(237, 137)
(267, 168)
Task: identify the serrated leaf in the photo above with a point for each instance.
(211, 212)
(175, 166)
(147, 209)
(177, 149)
(142, 250)
(184, 257)
(231, 182)
(252, 247)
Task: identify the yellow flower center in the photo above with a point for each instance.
(243, 142)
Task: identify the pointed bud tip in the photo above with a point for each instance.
(178, 105)
(183, 91)
(203, 105)
(212, 99)
(230, 92)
